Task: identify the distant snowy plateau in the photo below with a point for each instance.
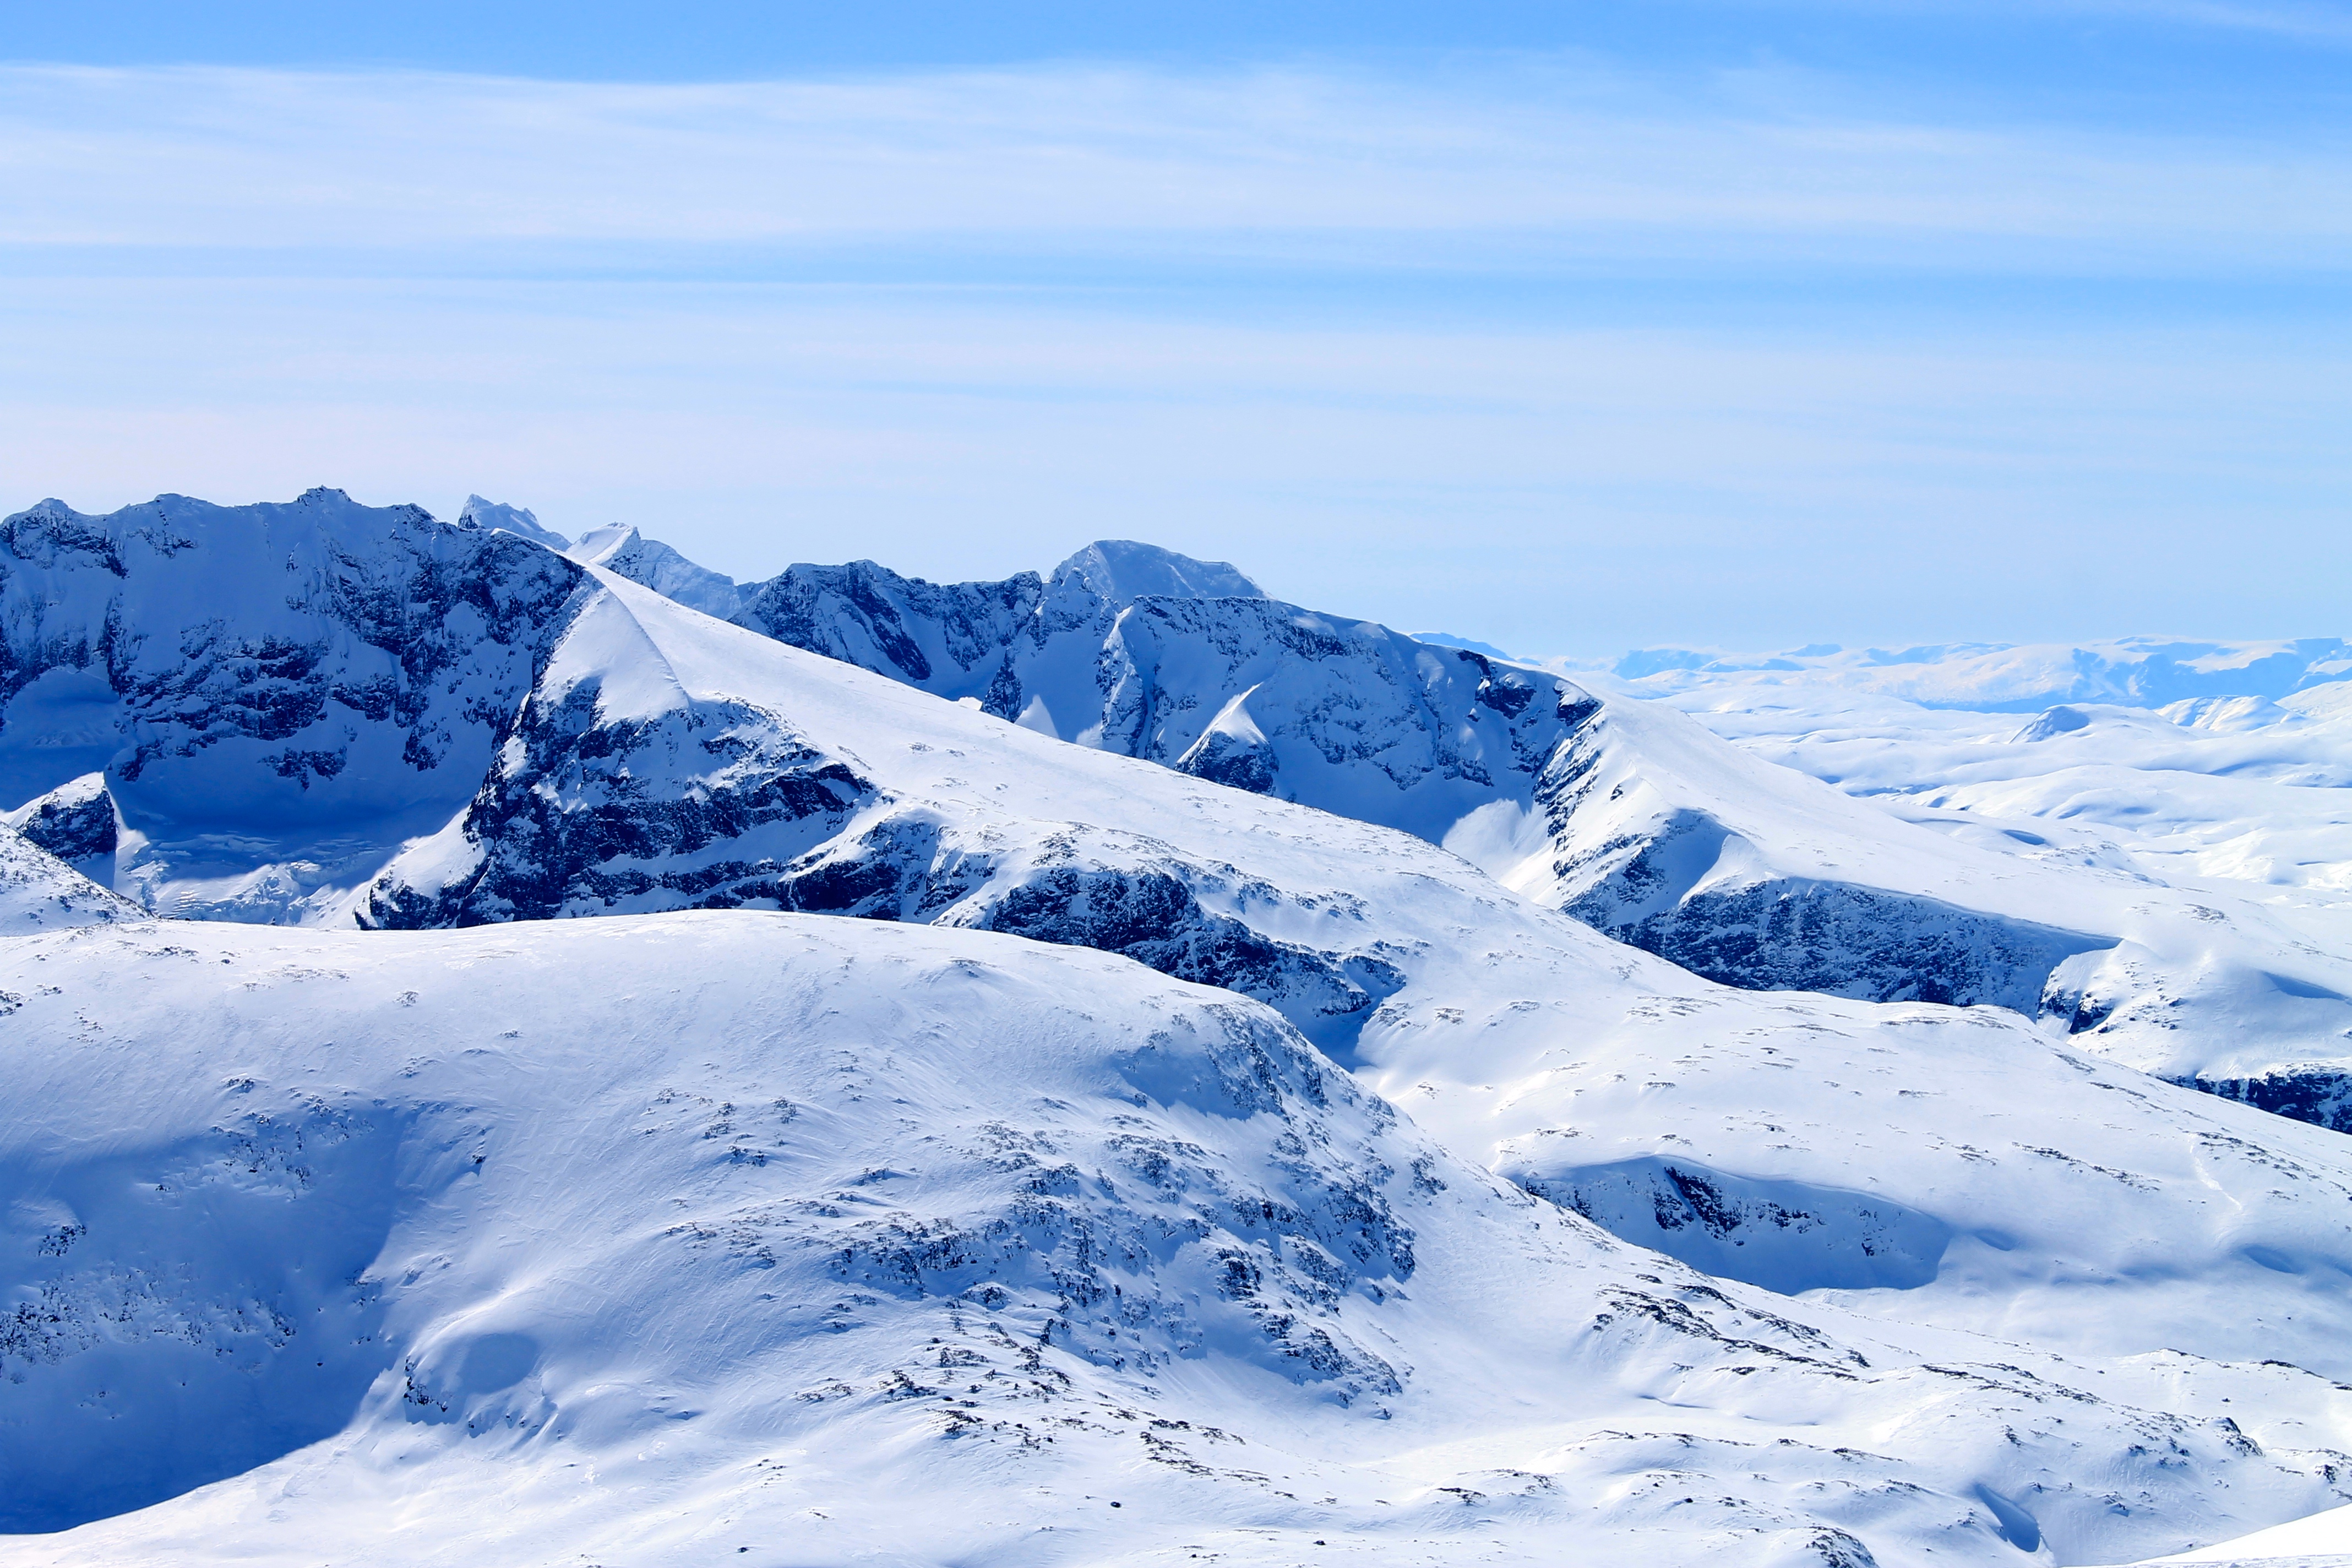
(1292, 1092)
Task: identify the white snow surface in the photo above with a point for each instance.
(2209, 840)
(523, 520)
(2322, 1540)
(727, 1236)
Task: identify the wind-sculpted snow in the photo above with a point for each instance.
(277, 694)
(723, 1236)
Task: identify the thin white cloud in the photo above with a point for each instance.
(1056, 157)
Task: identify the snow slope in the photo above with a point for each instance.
(2322, 1540)
(1648, 826)
(40, 892)
(2208, 839)
(669, 760)
(725, 1237)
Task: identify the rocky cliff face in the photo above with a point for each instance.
(275, 692)
(666, 762)
(75, 822)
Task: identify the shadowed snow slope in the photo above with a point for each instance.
(651, 1239)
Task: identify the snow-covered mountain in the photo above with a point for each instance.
(1970, 1286)
(1644, 825)
(727, 1236)
(277, 694)
(1146, 653)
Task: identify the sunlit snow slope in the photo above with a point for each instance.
(727, 1236)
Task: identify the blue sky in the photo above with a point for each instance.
(1574, 328)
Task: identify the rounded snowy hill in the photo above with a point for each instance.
(730, 1236)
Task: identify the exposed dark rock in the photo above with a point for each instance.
(1784, 1235)
(74, 822)
(1848, 940)
(2321, 1095)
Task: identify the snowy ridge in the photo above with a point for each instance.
(648, 561)
(1648, 827)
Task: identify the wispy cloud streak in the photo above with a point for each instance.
(1536, 165)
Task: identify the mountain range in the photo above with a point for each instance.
(1319, 1089)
